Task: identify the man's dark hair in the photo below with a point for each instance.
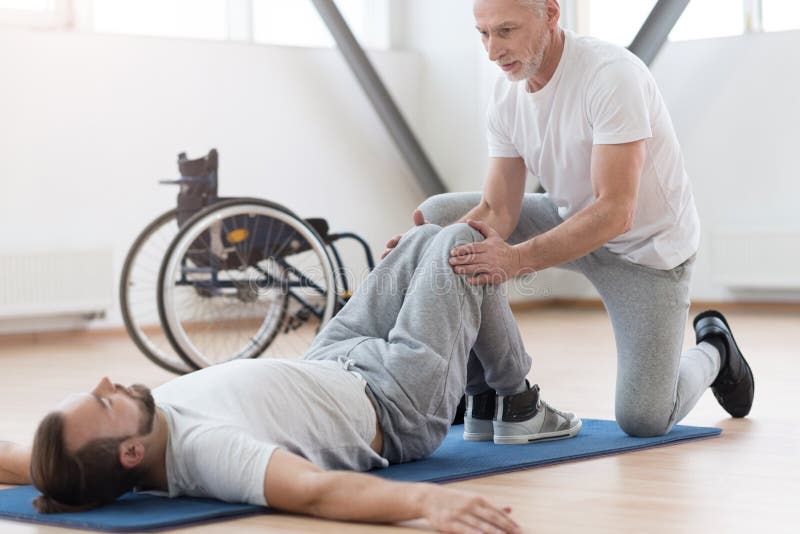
(90, 477)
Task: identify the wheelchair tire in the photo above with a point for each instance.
(230, 277)
(138, 297)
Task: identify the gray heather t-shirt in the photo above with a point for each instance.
(226, 421)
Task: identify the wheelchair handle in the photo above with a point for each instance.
(187, 180)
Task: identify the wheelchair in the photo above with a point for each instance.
(218, 279)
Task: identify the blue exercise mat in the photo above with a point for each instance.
(455, 459)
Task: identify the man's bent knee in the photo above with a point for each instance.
(433, 207)
(446, 208)
(425, 230)
(459, 234)
(643, 423)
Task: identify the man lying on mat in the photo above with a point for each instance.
(380, 385)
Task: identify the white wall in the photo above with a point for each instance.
(734, 104)
(91, 122)
(453, 90)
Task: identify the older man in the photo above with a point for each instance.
(586, 118)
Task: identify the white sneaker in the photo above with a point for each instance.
(524, 418)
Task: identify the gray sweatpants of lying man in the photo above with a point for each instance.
(421, 336)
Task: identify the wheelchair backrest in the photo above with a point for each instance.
(198, 184)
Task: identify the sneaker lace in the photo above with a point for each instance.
(557, 412)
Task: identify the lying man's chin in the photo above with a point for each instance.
(143, 395)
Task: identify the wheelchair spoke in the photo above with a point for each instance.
(303, 278)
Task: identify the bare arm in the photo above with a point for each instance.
(296, 485)
(616, 170)
(502, 196)
(500, 204)
(15, 463)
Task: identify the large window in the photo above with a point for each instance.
(203, 19)
(281, 22)
(36, 13)
(26, 5)
(778, 15)
(618, 21)
(296, 22)
(704, 19)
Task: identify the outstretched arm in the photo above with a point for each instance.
(15, 463)
(296, 485)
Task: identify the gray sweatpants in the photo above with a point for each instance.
(420, 335)
(657, 385)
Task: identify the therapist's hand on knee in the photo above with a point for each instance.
(491, 261)
(419, 220)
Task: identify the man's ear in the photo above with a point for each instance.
(131, 453)
(553, 11)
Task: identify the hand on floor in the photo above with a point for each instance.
(450, 510)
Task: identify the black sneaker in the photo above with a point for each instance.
(734, 385)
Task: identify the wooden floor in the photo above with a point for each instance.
(746, 480)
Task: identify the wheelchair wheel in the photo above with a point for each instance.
(242, 278)
(138, 289)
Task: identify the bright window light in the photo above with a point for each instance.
(617, 21)
(780, 15)
(704, 19)
(200, 19)
(297, 23)
(42, 14)
(27, 5)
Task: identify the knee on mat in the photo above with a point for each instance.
(641, 424)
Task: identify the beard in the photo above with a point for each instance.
(530, 66)
(142, 395)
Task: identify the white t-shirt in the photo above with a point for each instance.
(226, 421)
(600, 93)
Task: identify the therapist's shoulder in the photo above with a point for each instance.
(601, 61)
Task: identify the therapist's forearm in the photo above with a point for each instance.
(500, 220)
(579, 235)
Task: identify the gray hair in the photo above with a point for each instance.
(538, 6)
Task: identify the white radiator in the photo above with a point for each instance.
(56, 283)
(756, 258)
